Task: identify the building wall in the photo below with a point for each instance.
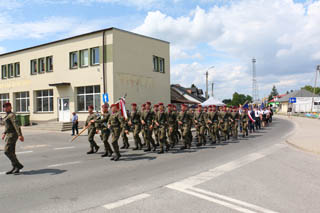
(91, 75)
(133, 69)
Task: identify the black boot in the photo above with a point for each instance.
(106, 154)
(96, 149)
(17, 170)
(11, 171)
(183, 147)
(136, 148)
(90, 152)
(123, 147)
(161, 151)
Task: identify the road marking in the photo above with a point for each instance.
(220, 202)
(62, 148)
(220, 170)
(25, 152)
(232, 200)
(126, 201)
(2, 173)
(35, 146)
(64, 164)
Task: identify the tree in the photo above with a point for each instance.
(227, 101)
(273, 93)
(238, 99)
(311, 89)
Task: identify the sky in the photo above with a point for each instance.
(283, 36)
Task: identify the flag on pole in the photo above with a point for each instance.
(122, 107)
(250, 117)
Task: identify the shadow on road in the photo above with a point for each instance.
(44, 171)
(134, 157)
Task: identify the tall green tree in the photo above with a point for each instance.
(238, 99)
(274, 92)
(311, 89)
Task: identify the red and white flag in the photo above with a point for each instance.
(250, 117)
(122, 106)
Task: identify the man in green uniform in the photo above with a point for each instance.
(200, 124)
(177, 131)
(134, 122)
(172, 126)
(11, 135)
(212, 121)
(91, 130)
(115, 124)
(147, 119)
(235, 116)
(185, 121)
(102, 124)
(244, 121)
(155, 128)
(124, 136)
(223, 123)
(143, 108)
(161, 121)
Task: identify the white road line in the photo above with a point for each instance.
(126, 201)
(64, 164)
(232, 200)
(220, 202)
(25, 152)
(220, 170)
(62, 148)
(2, 173)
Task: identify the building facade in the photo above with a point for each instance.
(52, 80)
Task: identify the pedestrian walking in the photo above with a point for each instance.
(75, 124)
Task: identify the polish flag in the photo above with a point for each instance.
(251, 117)
(122, 105)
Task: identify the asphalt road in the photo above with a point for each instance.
(257, 174)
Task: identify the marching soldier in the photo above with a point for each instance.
(200, 124)
(11, 135)
(161, 122)
(147, 124)
(172, 126)
(124, 136)
(212, 121)
(235, 116)
(92, 117)
(178, 134)
(102, 125)
(185, 121)
(143, 108)
(116, 122)
(244, 122)
(155, 128)
(134, 122)
(223, 123)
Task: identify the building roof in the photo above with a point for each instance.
(178, 98)
(78, 36)
(184, 92)
(297, 93)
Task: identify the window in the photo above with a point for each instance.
(74, 60)
(87, 96)
(22, 102)
(17, 69)
(95, 56)
(4, 98)
(158, 64)
(161, 65)
(49, 63)
(84, 58)
(44, 100)
(41, 65)
(33, 67)
(10, 71)
(4, 73)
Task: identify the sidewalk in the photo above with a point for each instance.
(307, 134)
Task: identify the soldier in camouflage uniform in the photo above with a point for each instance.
(177, 130)
(143, 108)
(200, 124)
(235, 116)
(147, 119)
(124, 136)
(185, 121)
(11, 135)
(161, 121)
(116, 122)
(135, 124)
(212, 121)
(102, 124)
(172, 126)
(155, 128)
(244, 121)
(92, 117)
(223, 123)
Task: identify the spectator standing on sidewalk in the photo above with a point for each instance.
(75, 123)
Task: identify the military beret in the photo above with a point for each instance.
(156, 105)
(6, 105)
(183, 105)
(199, 105)
(105, 105)
(169, 105)
(133, 104)
(148, 103)
(143, 105)
(160, 104)
(174, 106)
(115, 105)
(90, 107)
(214, 106)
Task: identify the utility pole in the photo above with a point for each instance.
(207, 82)
(314, 88)
(254, 81)
(212, 85)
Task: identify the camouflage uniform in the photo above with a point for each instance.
(116, 122)
(244, 123)
(148, 117)
(102, 124)
(161, 119)
(212, 121)
(223, 124)
(234, 123)
(200, 124)
(172, 128)
(186, 125)
(135, 118)
(92, 132)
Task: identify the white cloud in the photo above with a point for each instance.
(282, 35)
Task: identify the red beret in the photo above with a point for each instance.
(156, 105)
(169, 105)
(148, 103)
(90, 107)
(105, 105)
(174, 106)
(160, 104)
(214, 106)
(199, 105)
(6, 105)
(133, 104)
(143, 105)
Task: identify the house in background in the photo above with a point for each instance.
(182, 95)
(303, 102)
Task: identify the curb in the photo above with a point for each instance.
(301, 148)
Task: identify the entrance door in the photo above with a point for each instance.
(64, 110)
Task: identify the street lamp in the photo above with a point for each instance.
(207, 83)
